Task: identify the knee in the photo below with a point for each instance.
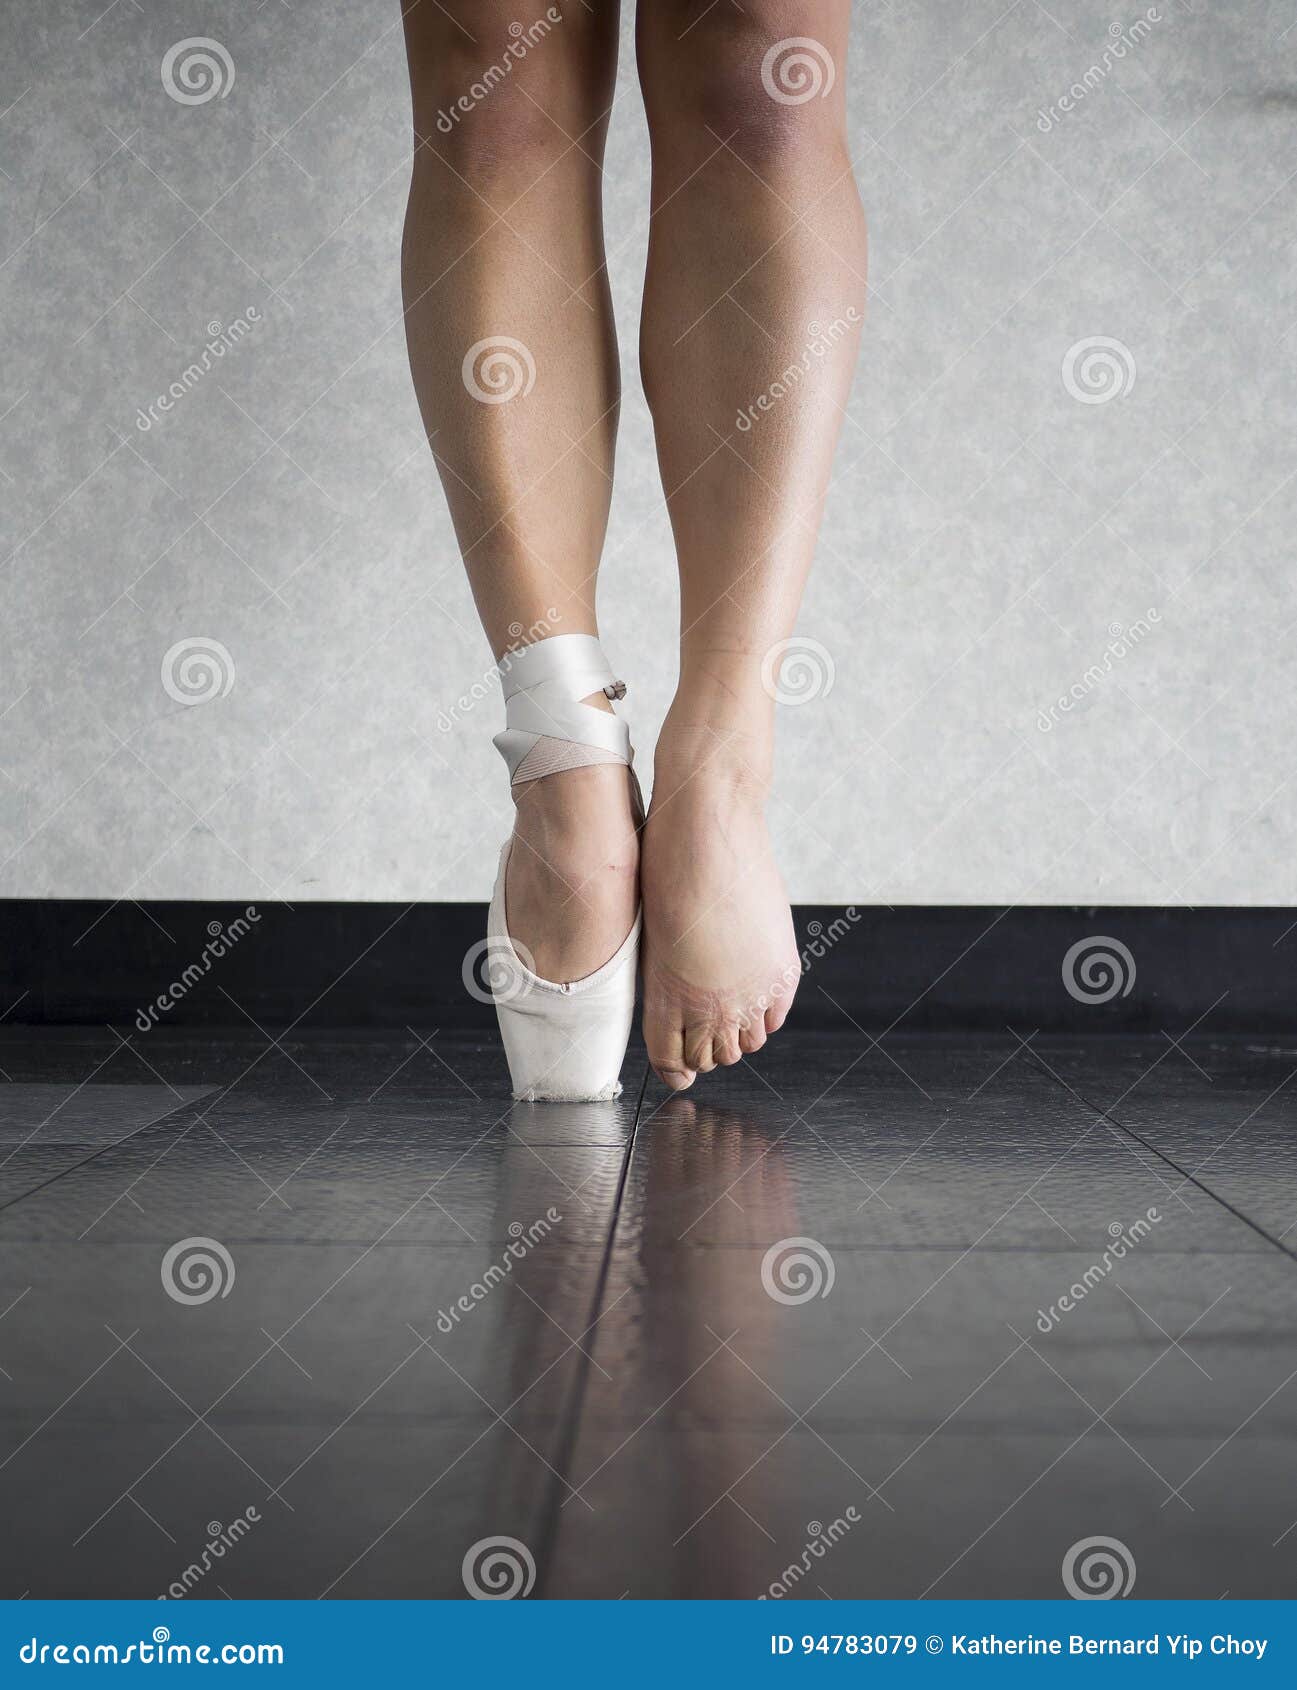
(499, 100)
(741, 78)
(485, 131)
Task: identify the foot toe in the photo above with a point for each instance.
(677, 1079)
(726, 1048)
(664, 1035)
(752, 1037)
(698, 1049)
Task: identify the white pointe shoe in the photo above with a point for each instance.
(565, 1042)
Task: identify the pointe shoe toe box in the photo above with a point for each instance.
(564, 1043)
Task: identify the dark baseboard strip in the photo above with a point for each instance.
(965, 967)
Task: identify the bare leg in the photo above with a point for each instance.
(756, 269)
(513, 354)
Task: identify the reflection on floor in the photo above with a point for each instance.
(858, 1319)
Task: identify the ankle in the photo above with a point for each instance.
(725, 689)
(711, 761)
(721, 721)
(588, 811)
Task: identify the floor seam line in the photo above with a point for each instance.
(570, 1423)
(1162, 1156)
(103, 1149)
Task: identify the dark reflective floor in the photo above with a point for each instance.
(863, 1320)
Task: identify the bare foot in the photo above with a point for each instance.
(572, 886)
(720, 955)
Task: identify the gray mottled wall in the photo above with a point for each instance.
(1008, 500)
